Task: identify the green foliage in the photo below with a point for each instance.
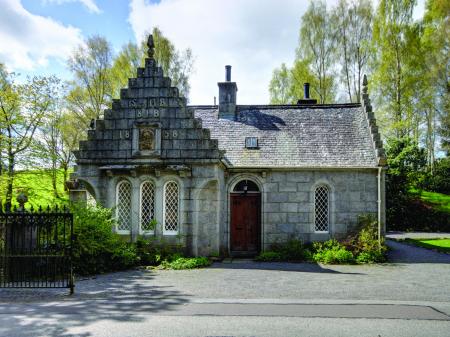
(365, 246)
(176, 64)
(405, 208)
(91, 90)
(96, 248)
(370, 257)
(439, 179)
(279, 85)
(398, 63)
(152, 251)
(317, 45)
(352, 27)
(331, 252)
(286, 85)
(439, 201)
(292, 250)
(269, 256)
(178, 262)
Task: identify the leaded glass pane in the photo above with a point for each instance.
(147, 206)
(171, 207)
(123, 209)
(321, 209)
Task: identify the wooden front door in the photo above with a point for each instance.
(245, 223)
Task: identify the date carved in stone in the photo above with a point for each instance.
(146, 139)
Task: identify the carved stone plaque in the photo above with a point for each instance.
(146, 139)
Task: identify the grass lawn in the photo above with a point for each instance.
(441, 245)
(439, 201)
(37, 184)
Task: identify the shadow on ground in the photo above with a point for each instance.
(118, 297)
(404, 253)
(279, 266)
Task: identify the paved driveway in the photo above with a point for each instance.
(414, 289)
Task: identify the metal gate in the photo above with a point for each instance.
(36, 249)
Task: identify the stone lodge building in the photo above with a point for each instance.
(230, 179)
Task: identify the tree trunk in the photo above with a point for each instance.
(9, 180)
(54, 178)
(65, 169)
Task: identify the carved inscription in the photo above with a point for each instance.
(146, 139)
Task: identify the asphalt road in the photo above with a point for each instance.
(409, 297)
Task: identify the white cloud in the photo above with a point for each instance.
(254, 36)
(90, 5)
(28, 40)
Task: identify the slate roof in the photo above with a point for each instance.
(316, 136)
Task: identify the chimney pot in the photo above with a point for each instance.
(306, 90)
(306, 99)
(228, 73)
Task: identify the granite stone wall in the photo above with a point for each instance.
(288, 203)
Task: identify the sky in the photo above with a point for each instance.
(253, 36)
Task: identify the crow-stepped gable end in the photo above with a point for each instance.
(313, 168)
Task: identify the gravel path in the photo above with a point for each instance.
(416, 283)
(413, 274)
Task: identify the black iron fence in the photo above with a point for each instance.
(36, 249)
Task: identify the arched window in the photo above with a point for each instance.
(322, 209)
(147, 210)
(171, 207)
(123, 206)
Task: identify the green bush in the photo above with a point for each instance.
(152, 251)
(292, 250)
(96, 249)
(371, 257)
(331, 252)
(269, 256)
(178, 262)
(439, 180)
(366, 246)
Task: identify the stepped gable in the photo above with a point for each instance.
(149, 123)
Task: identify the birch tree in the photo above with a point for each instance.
(22, 109)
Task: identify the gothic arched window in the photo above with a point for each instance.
(123, 206)
(147, 209)
(171, 207)
(322, 209)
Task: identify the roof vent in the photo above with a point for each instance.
(251, 142)
(306, 99)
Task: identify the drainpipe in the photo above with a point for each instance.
(379, 206)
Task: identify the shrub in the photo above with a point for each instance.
(365, 245)
(439, 181)
(331, 252)
(269, 256)
(292, 250)
(153, 251)
(96, 249)
(178, 262)
(371, 257)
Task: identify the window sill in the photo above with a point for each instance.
(170, 233)
(122, 232)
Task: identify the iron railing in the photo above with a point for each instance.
(36, 249)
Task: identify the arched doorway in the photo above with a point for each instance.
(245, 219)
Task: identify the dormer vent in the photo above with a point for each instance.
(251, 142)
